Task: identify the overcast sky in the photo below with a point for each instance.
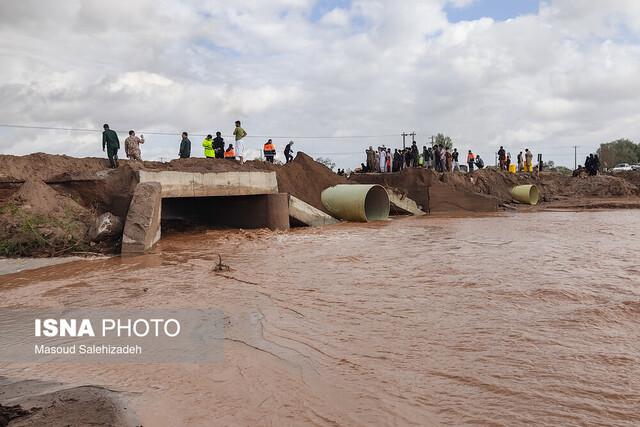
(520, 73)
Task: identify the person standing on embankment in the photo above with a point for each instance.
(111, 142)
(185, 146)
(269, 151)
(454, 156)
(287, 152)
(528, 160)
(520, 162)
(132, 146)
(470, 160)
(239, 133)
(218, 145)
(502, 158)
(207, 144)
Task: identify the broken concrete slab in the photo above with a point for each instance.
(401, 202)
(307, 214)
(207, 184)
(142, 227)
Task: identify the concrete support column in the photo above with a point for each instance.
(142, 227)
(276, 211)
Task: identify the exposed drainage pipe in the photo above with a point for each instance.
(527, 194)
(357, 202)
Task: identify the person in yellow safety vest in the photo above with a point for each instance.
(230, 153)
(207, 143)
(269, 151)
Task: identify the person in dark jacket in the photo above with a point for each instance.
(415, 154)
(185, 146)
(502, 158)
(479, 162)
(287, 151)
(455, 156)
(437, 158)
(218, 145)
(111, 142)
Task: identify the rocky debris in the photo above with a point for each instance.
(106, 227)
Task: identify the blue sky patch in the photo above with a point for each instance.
(324, 6)
(499, 10)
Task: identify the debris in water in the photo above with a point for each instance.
(220, 266)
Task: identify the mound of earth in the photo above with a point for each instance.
(434, 192)
(37, 220)
(43, 166)
(552, 185)
(304, 178)
(632, 177)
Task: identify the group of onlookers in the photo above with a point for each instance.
(213, 147)
(592, 164)
(437, 157)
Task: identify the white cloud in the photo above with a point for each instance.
(567, 76)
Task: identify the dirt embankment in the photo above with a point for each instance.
(553, 186)
(304, 178)
(433, 191)
(48, 203)
(457, 191)
(39, 220)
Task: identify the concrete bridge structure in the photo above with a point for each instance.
(235, 199)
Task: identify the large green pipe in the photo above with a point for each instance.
(357, 202)
(528, 194)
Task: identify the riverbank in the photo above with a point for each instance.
(34, 402)
(54, 206)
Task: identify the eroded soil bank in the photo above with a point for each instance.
(49, 204)
(511, 319)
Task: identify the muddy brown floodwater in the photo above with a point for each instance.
(503, 320)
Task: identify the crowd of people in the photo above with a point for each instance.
(437, 157)
(592, 164)
(214, 148)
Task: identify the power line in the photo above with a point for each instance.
(5, 125)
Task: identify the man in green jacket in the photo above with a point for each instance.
(111, 142)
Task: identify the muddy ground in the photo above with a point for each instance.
(49, 203)
(45, 403)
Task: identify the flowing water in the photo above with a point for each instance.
(502, 320)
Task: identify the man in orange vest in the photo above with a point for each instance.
(269, 151)
(471, 158)
(230, 153)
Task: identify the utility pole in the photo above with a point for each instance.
(413, 136)
(575, 157)
(433, 140)
(404, 135)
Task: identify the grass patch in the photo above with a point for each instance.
(24, 233)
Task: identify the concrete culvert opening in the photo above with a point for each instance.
(180, 214)
(376, 204)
